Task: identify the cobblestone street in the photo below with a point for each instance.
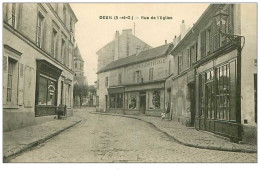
(105, 138)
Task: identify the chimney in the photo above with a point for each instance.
(116, 48)
(174, 40)
(183, 29)
(165, 42)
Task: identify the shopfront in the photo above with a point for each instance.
(46, 88)
(217, 95)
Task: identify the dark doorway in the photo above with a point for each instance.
(106, 103)
(61, 91)
(142, 102)
(170, 102)
(192, 102)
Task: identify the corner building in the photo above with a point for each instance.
(38, 44)
(214, 79)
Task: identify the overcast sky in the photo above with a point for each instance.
(92, 33)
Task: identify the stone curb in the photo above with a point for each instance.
(41, 140)
(183, 142)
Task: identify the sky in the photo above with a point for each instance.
(92, 33)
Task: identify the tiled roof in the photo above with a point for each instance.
(142, 56)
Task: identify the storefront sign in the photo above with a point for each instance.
(147, 64)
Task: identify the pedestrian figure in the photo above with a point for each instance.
(167, 110)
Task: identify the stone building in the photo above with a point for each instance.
(135, 84)
(38, 42)
(122, 46)
(214, 73)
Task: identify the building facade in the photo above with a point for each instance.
(38, 43)
(212, 86)
(135, 84)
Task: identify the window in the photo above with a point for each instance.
(203, 44)
(75, 65)
(119, 78)
(106, 82)
(47, 91)
(215, 93)
(40, 30)
(64, 14)
(132, 103)
(54, 43)
(151, 73)
(208, 41)
(154, 100)
(137, 76)
(189, 57)
(10, 79)
(13, 14)
(180, 63)
(116, 100)
(71, 24)
(63, 50)
(222, 92)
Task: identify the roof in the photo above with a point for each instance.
(77, 54)
(206, 16)
(142, 56)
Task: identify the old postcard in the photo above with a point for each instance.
(129, 82)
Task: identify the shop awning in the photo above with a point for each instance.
(46, 67)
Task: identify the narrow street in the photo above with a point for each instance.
(104, 138)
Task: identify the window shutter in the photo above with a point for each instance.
(4, 79)
(5, 63)
(21, 84)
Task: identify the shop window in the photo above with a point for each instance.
(132, 102)
(222, 92)
(214, 93)
(47, 91)
(116, 100)
(154, 100)
(209, 94)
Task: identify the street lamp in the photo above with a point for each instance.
(220, 19)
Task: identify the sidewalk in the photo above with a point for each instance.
(19, 140)
(190, 136)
